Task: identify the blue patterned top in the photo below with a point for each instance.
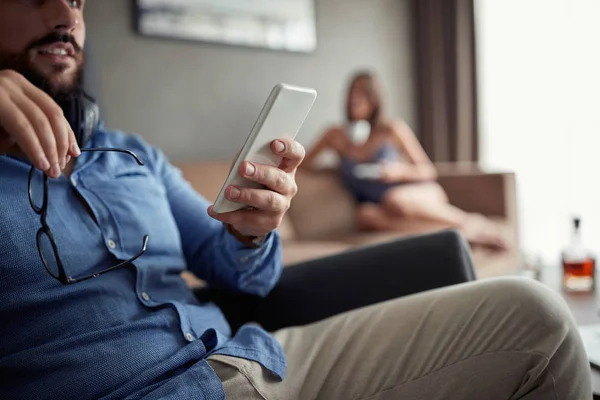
(368, 190)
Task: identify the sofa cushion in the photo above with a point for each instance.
(322, 208)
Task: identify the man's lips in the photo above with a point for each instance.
(57, 49)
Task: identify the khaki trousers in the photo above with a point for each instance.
(499, 339)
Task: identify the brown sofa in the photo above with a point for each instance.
(321, 218)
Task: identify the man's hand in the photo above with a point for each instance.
(30, 121)
(266, 207)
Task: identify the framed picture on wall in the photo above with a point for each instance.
(288, 25)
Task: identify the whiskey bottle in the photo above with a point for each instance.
(579, 265)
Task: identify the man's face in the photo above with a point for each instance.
(43, 40)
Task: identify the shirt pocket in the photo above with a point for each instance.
(135, 203)
(129, 173)
(141, 175)
(139, 180)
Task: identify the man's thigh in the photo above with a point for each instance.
(238, 377)
(449, 343)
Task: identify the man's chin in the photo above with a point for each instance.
(58, 79)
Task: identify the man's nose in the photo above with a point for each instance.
(60, 16)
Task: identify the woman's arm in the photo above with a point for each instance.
(420, 167)
(325, 142)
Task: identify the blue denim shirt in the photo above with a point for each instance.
(135, 332)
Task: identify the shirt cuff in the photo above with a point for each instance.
(245, 254)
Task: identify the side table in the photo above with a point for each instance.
(584, 306)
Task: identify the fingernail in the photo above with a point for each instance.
(55, 171)
(75, 149)
(279, 146)
(68, 158)
(63, 163)
(44, 164)
(234, 193)
(250, 169)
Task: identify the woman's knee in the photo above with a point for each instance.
(397, 201)
(406, 199)
(438, 192)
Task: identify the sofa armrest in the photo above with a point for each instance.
(488, 193)
(320, 288)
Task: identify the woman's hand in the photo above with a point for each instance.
(396, 172)
(32, 122)
(393, 172)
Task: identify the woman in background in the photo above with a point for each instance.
(388, 172)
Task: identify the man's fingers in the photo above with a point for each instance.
(292, 152)
(266, 207)
(261, 199)
(271, 177)
(74, 150)
(232, 218)
(44, 132)
(59, 125)
(16, 121)
(35, 122)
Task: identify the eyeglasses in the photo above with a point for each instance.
(44, 234)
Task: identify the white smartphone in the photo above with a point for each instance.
(282, 117)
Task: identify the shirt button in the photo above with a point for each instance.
(73, 181)
(244, 259)
(145, 296)
(189, 337)
(112, 244)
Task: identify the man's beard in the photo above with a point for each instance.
(58, 90)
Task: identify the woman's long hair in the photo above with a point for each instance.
(373, 92)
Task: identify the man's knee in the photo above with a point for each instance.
(538, 306)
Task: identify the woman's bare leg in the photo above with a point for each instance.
(429, 201)
(423, 201)
(374, 217)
